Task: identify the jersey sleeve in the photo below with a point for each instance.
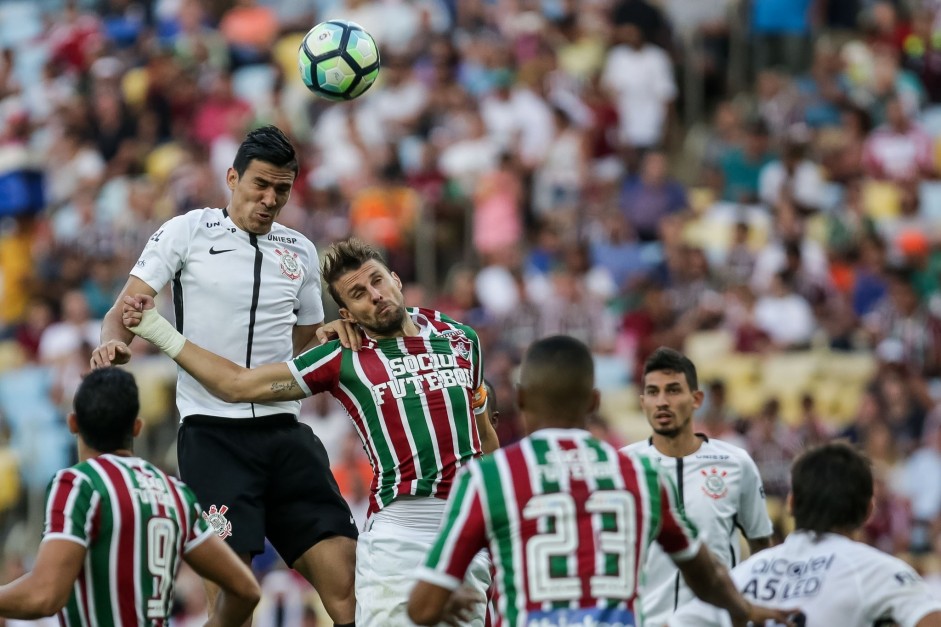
(197, 528)
(72, 505)
(752, 509)
(318, 369)
(462, 534)
(164, 254)
(894, 591)
(310, 309)
(677, 535)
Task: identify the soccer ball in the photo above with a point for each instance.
(338, 60)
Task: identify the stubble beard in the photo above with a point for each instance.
(393, 324)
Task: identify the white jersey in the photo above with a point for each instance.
(720, 489)
(236, 294)
(831, 579)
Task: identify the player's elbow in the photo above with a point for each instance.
(421, 612)
(49, 600)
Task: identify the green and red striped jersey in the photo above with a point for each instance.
(568, 520)
(411, 400)
(136, 522)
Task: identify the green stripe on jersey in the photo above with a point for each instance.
(496, 501)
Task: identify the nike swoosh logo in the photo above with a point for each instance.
(213, 251)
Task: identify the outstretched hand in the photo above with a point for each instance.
(134, 307)
(111, 353)
(343, 330)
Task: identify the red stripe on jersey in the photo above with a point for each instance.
(326, 376)
(83, 595)
(585, 554)
(440, 423)
(632, 485)
(375, 371)
(127, 559)
(62, 489)
(349, 404)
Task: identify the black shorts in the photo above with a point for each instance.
(263, 477)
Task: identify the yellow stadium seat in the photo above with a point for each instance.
(880, 199)
(9, 479)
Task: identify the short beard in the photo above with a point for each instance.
(394, 324)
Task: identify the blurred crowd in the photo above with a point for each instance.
(755, 182)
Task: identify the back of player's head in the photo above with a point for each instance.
(557, 381)
(106, 406)
(831, 488)
(346, 256)
(667, 359)
(268, 144)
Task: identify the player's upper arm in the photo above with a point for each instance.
(304, 337)
(58, 565)
(893, 590)
(753, 509)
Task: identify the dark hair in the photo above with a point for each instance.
(343, 257)
(831, 486)
(558, 374)
(668, 359)
(106, 406)
(268, 144)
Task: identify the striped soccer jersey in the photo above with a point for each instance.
(568, 521)
(136, 522)
(411, 400)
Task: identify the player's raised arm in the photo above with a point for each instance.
(226, 379)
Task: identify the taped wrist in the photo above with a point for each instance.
(158, 331)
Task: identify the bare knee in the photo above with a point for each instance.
(330, 567)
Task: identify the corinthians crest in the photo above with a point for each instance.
(217, 520)
(289, 264)
(715, 486)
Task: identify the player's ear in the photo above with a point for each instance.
(698, 398)
(231, 178)
(396, 280)
(72, 421)
(138, 425)
(595, 402)
(345, 314)
(789, 503)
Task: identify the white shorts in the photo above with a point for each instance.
(390, 551)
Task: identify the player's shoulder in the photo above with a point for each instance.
(443, 323)
(715, 446)
(286, 235)
(640, 446)
(327, 349)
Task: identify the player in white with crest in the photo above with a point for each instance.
(248, 288)
(718, 483)
(819, 568)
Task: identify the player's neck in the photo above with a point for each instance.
(680, 445)
(408, 329)
(86, 452)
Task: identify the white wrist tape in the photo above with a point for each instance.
(158, 331)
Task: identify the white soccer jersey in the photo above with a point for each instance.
(721, 491)
(236, 294)
(831, 579)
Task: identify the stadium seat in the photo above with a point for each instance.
(10, 487)
(880, 199)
